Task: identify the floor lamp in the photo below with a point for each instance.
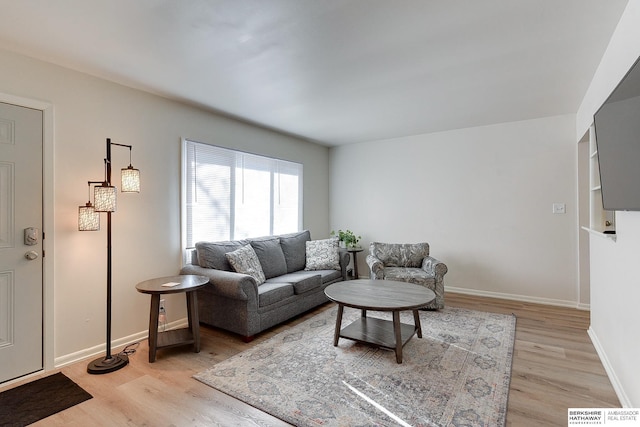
(104, 198)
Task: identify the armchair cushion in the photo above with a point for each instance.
(411, 275)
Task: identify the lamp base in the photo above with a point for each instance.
(104, 365)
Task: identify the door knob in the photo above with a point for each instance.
(31, 255)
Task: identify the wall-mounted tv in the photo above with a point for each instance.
(617, 126)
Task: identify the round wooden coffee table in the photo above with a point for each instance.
(188, 284)
(379, 295)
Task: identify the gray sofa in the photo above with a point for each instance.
(235, 302)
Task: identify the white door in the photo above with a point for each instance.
(21, 283)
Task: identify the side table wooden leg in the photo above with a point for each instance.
(355, 266)
(336, 335)
(416, 320)
(194, 321)
(153, 326)
(398, 334)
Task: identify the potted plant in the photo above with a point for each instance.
(347, 238)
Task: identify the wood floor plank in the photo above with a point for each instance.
(555, 367)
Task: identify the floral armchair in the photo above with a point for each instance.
(408, 262)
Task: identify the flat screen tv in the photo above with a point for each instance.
(617, 127)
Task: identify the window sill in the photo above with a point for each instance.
(593, 232)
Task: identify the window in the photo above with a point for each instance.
(229, 195)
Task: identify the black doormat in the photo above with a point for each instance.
(39, 399)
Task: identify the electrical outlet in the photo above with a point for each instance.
(559, 208)
(162, 314)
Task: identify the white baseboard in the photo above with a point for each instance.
(585, 307)
(514, 297)
(617, 387)
(96, 351)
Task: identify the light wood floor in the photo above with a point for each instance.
(555, 367)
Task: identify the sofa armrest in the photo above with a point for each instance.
(376, 267)
(434, 267)
(226, 283)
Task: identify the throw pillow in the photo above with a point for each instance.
(270, 256)
(322, 255)
(293, 247)
(245, 260)
(212, 254)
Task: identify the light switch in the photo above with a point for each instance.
(559, 208)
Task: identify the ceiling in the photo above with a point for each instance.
(332, 71)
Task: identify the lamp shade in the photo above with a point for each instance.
(130, 180)
(88, 218)
(104, 197)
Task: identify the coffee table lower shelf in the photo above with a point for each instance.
(380, 332)
(379, 295)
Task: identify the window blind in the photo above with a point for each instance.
(230, 195)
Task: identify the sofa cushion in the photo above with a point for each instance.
(302, 281)
(245, 260)
(307, 284)
(212, 254)
(294, 249)
(273, 292)
(329, 275)
(270, 255)
(322, 255)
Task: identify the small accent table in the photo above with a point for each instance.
(379, 295)
(190, 335)
(354, 254)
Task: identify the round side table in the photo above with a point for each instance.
(188, 284)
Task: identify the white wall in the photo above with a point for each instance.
(482, 197)
(146, 227)
(615, 277)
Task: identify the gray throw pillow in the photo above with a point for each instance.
(245, 260)
(212, 254)
(270, 256)
(294, 249)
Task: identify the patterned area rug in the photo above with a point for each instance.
(458, 374)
